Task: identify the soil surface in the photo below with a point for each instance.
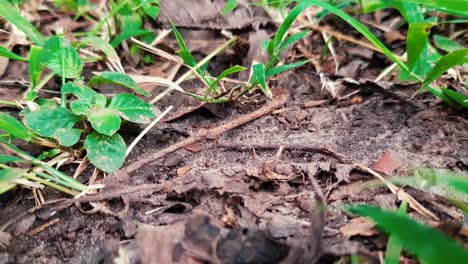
(257, 193)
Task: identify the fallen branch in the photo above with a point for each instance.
(204, 134)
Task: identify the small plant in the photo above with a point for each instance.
(424, 63)
(428, 245)
(80, 119)
(259, 72)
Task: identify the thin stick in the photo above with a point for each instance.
(402, 195)
(212, 133)
(148, 128)
(43, 227)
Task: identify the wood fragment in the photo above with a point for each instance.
(43, 227)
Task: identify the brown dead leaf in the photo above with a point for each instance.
(182, 171)
(387, 163)
(3, 65)
(393, 36)
(195, 147)
(4, 238)
(206, 14)
(11, 94)
(359, 226)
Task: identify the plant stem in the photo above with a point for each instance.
(65, 179)
(111, 14)
(189, 73)
(9, 103)
(50, 184)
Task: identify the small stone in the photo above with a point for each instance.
(173, 159)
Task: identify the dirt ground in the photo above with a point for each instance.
(238, 198)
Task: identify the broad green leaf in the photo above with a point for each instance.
(448, 61)
(430, 246)
(83, 93)
(61, 57)
(35, 68)
(46, 121)
(4, 52)
(101, 45)
(230, 5)
(42, 102)
(151, 11)
(131, 25)
(67, 137)
(457, 97)
(14, 127)
(446, 44)
(118, 79)
(88, 99)
(105, 121)
(11, 14)
(395, 245)
(283, 68)
(9, 158)
(259, 73)
(104, 152)
(131, 108)
(416, 41)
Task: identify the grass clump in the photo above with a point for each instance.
(81, 119)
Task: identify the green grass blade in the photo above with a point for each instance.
(288, 41)
(448, 61)
(283, 29)
(225, 73)
(230, 5)
(457, 97)
(416, 41)
(35, 67)
(358, 26)
(184, 52)
(14, 127)
(457, 7)
(446, 44)
(394, 245)
(283, 68)
(430, 246)
(4, 52)
(10, 13)
(259, 73)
